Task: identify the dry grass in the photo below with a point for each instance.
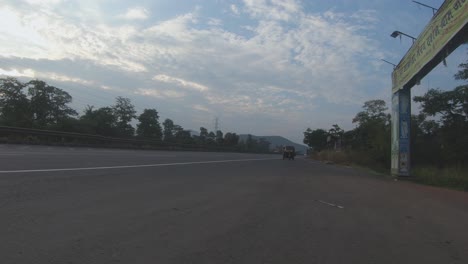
(350, 158)
(455, 177)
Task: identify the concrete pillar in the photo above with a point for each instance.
(401, 126)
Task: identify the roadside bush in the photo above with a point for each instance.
(452, 177)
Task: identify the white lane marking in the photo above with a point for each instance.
(133, 166)
(330, 204)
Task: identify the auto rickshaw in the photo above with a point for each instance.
(289, 152)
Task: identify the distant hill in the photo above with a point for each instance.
(277, 141)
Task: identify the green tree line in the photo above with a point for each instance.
(36, 104)
(439, 133)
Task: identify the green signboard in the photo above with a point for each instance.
(447, 22)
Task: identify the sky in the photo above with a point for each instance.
(264, 67)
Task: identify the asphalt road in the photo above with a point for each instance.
(64, 205)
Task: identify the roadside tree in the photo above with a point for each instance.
(125, 112)
(316, 139)
(49, 104)
(149, 126)
(14, 105)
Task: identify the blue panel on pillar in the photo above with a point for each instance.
(404, 132)
(395, 133)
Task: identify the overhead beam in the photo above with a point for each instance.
(445, 32)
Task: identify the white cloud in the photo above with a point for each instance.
(136, 13)
(65, 78)
(366, 16)
(235, 10)
(18, 73)
(106, 87)
(177, 28)
(30, 73)
(273, 9)
(43, 2)
(47, 36)
(215, 22)
(313, 56)
(160, 93)
(180, 82)
(17, 29)
(200, 108)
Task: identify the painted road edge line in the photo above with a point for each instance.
(132, 166)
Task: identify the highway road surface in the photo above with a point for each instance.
(86, 206)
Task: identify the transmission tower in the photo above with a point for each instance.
(216, 124)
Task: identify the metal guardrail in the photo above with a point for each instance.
(40, 132)
(60, 137)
